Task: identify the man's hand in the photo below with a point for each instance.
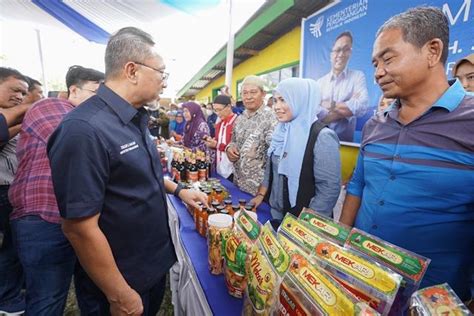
(192, 197)
(128, 303)
(233, 153)
(211, 142)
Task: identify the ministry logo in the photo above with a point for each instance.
(315, 28)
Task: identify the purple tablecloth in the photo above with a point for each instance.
(214, 287)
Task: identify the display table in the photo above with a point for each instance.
(195, 290)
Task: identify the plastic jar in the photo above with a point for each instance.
(217, 224)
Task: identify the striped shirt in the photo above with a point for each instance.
(416, 182)
(31, 192)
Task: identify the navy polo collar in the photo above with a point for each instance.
(124, 110)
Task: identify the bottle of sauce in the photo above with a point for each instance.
(203, 221)
(228, 205)
(202, 168)
(235, 209)
(219, 196)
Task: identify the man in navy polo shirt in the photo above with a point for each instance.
(413, 184)
(109, 185)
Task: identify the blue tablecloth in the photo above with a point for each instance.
(213, 286)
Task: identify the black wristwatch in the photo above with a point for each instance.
(178, 189)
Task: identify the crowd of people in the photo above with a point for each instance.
(82, 191)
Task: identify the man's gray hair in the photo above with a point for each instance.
(127, 44)
(419, 26)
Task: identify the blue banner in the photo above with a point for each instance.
(339, 39)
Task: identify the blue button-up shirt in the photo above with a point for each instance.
(103, 161)
(416, 182)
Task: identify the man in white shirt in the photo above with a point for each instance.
(344, 95)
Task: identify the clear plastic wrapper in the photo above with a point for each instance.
(409, 265)
(236, 248)
(268, 263)
(308, 290)
(325, 226)
(437, 300)
(368, 280)
(300, 233)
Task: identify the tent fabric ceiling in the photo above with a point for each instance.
(96, 20)
(72, 19)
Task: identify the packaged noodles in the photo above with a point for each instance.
(437, 300)
(307, 290)
(236, 248)
(325, 226)
(268, 263)
(300, 233)
(290, 246)
(409, 265)
(367, 280)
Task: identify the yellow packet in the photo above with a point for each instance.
(304, 236)
(330, 297)
(365, 279)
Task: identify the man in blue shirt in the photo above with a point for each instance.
(413, 184)
(109, 185)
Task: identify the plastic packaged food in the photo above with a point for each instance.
(437, 300)
(268, 263)
(325, 226)
(367, 280)
(290, 246)
(300, 233)
(236, 248)
(409, 265)
(217, 225)
(307, 290)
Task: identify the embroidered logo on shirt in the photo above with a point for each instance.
(128, 147)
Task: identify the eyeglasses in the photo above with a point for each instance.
(343, 50)
(164, 74)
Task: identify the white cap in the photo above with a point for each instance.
(220, 220)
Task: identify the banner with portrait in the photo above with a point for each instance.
(336, 51)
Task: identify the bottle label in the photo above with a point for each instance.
(202, 175)
(193, 176)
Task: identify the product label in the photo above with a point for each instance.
(438, 300)
(403, 262)
(235, 253)
(202, 174)
(289, 246)
(300, 233)
(357, 267)
(325, 293)
(192, 176)
(261, 280)
(278, 257)
(325, 226)
(248, 225)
